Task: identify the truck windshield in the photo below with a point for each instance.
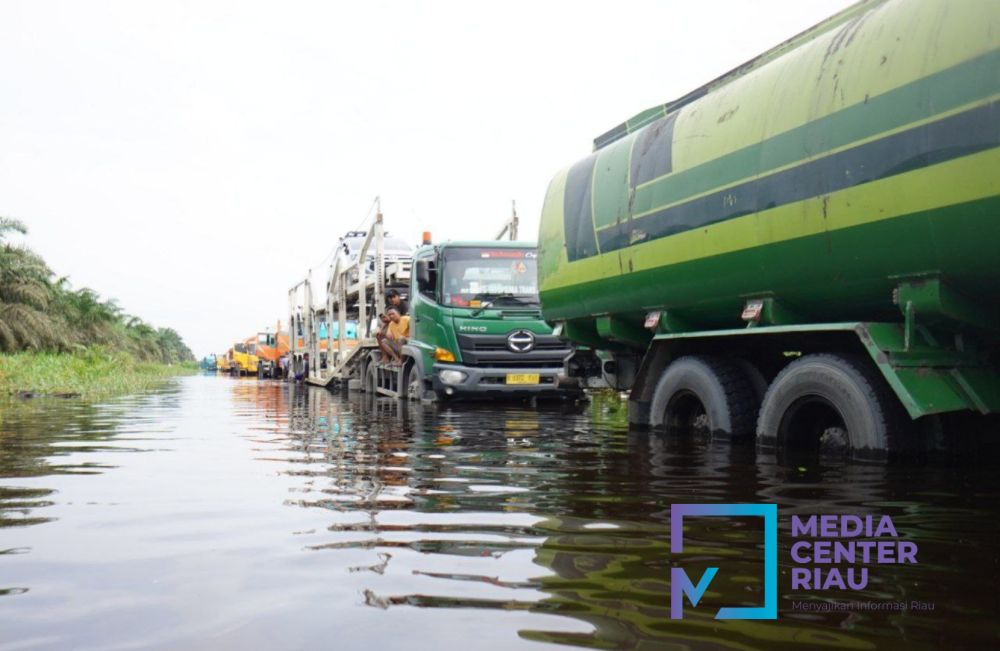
(473, 276)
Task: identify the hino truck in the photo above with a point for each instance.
(804, 250)
(476, 329)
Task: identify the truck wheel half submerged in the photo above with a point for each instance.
(708, 395)
(830, 404)
(414, 382)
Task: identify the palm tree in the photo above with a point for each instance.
(24, 295)
(172, 346)
(140, 339)
(91, 316)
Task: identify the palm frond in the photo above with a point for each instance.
(8, 224)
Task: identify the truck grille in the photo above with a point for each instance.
(492, 351)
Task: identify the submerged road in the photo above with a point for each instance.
(220, 513)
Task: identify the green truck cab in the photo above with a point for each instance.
(476, 329)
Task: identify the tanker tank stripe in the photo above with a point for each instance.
(578, 218)
(952, 137)
(971, 81)
(646, 117)
(652, 155)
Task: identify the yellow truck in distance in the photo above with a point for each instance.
(243, 360)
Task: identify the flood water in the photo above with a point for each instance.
(220, 513)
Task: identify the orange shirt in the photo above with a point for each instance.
(400, 330)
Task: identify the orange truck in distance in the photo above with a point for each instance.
(271, 347)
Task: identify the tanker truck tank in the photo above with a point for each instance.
(827, 213)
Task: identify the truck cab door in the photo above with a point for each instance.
(426, 313)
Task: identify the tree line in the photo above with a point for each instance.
(39, 311)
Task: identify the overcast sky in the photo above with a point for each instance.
(194, 159)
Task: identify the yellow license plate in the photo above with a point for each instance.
(522, 378)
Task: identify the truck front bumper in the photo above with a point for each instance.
(480, 382)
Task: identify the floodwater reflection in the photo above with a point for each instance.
(224, 512)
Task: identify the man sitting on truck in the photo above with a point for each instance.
(396, 301)
(383, 329)
(397, 332)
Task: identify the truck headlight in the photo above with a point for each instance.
(450, 376)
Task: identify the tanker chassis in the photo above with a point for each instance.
(805, 249)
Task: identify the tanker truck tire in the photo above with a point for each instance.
(704, 395)
(833, 405)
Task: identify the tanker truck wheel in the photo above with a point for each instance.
(832, 405)
(704, 395)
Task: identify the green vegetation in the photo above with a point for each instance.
(56, 339)
(93, 372)
(40, 312)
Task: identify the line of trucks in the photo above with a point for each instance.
(803, 251)
(260, 355)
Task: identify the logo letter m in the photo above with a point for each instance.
(681, 585)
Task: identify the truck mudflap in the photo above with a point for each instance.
(451, 381)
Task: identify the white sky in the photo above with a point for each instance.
(194, 159)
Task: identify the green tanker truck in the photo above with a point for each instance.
(805, 249)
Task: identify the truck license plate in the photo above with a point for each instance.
(522, 378)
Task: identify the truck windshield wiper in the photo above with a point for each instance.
(522, 299)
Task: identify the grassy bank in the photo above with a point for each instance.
(94, 372)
